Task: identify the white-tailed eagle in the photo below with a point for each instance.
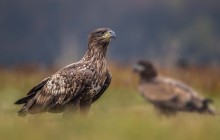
(169, 95)
(77, 85)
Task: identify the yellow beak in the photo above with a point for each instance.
(110, 34)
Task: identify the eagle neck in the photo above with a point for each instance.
(146, 79)
(95, 52)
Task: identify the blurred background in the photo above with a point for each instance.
(54, 32)
(181, 37)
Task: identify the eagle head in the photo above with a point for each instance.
(145, 69)
(101, 37)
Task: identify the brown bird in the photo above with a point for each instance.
(168, 95)
(76, 86)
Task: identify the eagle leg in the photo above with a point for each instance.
(71, 108)
(85, 107)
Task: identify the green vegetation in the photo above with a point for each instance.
(121, 114)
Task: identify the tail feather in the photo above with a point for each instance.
(211, 111)
(25, 99)
(22, 101)
(39, 86)
(207, 108)
(29, 100)
(22, 113)
(27, 107)
(32, 92)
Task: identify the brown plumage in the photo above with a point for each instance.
(169, 95)
(77, 85)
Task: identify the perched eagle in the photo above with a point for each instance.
(169, 95)
(76, 86)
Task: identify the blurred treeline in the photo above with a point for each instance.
(54, 32)
(205, 80)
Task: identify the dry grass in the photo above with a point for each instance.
(120, 114)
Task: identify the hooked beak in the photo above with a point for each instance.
(110, 34)
(138, 68)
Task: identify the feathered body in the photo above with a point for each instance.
(169, 95)
(77, 85)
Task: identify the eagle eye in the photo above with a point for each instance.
(99, 34)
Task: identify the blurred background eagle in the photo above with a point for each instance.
(77, 85)
(169, 95)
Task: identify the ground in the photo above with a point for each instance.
(120, 114)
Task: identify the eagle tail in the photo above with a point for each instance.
(32, 92)
(22, 113)
(206, 108)
(22, 100)
(24, 110)
(29, 100)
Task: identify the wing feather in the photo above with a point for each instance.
(162, 90)
(32, 92)
(55, 92)
(62, 88)
(104, 87)
(170, 93)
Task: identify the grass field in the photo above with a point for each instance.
(120, 114)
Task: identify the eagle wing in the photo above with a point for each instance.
(64, 86)
(166, 91)
(104, 87)
(33, 91)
